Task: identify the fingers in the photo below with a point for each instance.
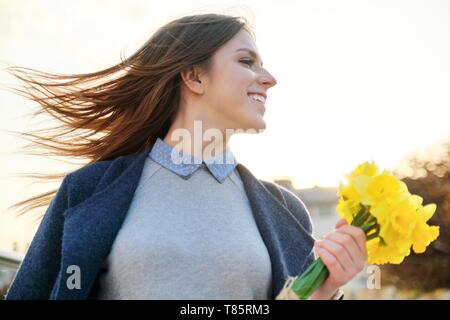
(358, 236)
(351, 247)
(338, 251)
(333, 265)
(340, 223)
(343, 251)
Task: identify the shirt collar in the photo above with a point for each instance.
(220, 166)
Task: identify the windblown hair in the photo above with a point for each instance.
(123, 109)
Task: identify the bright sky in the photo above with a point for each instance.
(357, 80)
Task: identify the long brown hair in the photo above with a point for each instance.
(123, 109)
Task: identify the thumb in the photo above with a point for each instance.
(341, 222)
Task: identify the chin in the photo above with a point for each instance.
(262, 126)
(257, 124)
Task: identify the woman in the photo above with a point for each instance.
(152, 218)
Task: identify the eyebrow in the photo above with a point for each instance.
(252, 53)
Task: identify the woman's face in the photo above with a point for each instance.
(234, 75)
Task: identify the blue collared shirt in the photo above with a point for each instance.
(185, 165)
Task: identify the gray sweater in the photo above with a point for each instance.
(83, 220)
(192, 238)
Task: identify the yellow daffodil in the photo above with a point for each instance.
(423, 234)
(394, 221)
(385, 185)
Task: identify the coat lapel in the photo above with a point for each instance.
(91, 227)
(289, 244)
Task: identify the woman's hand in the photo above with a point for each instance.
(343, 251)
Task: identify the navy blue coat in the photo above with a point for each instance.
(82, 221)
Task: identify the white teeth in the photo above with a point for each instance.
(257, 97)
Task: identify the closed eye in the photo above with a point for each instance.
(248, 62)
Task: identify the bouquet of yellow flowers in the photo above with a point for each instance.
(393, 220)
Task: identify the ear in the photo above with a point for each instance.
(194, 79)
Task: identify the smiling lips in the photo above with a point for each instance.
(257, 97)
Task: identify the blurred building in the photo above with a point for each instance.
(9, 264)
(321, 204)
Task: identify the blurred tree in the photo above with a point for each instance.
(429, 178)
(3, 290)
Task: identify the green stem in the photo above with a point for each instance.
(372, 236)
(310, 280)
(316, 274)
(358, 216)
(361, 217)
(368, 227)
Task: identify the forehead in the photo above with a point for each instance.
(242, 38)
(242, 42)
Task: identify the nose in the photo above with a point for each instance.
(266, 79)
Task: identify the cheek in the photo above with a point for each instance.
(240, 82)
(229, 94)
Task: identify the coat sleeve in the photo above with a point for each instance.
(299, 209)
(37, 272)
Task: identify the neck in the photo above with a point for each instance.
(197, 137)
